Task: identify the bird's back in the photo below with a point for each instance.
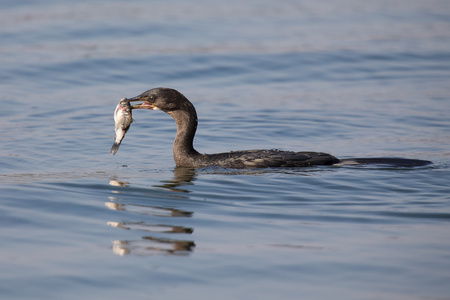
(269, 159)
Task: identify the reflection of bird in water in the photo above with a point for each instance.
(182, 177)
(185, 116)
(152, 244)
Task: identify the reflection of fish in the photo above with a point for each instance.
(122, 122)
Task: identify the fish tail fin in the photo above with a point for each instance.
(114, 148)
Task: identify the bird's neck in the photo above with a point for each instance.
(184, 153)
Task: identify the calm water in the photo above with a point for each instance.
(352, 78)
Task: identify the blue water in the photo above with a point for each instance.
(351, 78)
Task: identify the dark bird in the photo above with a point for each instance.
(183, 112)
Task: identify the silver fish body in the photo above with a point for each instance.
(122, 121)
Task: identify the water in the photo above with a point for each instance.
(352, 78)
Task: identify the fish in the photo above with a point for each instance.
(122, 121)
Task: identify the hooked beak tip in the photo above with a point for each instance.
(131, 99)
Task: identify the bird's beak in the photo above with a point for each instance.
(144, 105)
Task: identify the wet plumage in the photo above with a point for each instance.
(183, 112)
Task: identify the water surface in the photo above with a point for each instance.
(352, 78)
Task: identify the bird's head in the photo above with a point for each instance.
(164, 99)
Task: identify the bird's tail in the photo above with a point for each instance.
(391, 161)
